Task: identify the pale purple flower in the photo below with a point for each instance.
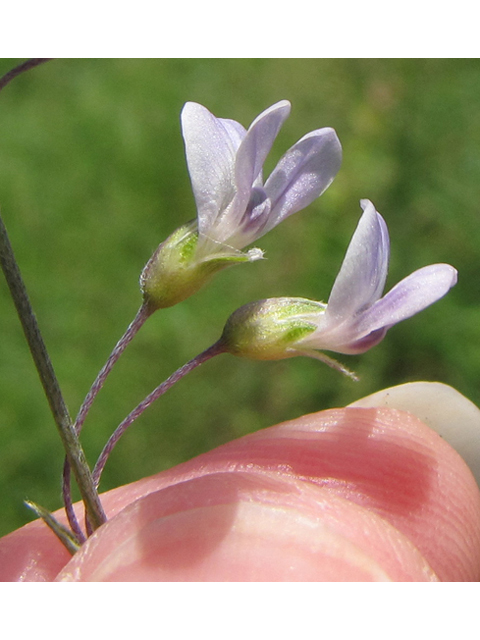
(234, 206)
(356, 316)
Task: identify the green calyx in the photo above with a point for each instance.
(269, 329)
(174, 273)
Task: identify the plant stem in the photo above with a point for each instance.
(142, 314)
(68, 502)
(209, 353)
(21, 68)
(44, 366)
(49, 381)
(62, 533)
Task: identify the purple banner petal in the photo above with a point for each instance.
(364, 270)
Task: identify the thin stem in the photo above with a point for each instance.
(49, 381)
(209, 353)
(68, 502)
(142, 314)
(43, 363)
(21, 68)
(62, 533)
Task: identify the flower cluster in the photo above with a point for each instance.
(235, 207)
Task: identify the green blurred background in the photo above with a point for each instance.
(93, 177)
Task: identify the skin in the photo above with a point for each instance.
(352, 494)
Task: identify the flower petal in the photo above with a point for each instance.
(362, 276)
(303, 174)
(257, 143)
(211, 145)
(249, 161)
(413, 294)
(235, 130)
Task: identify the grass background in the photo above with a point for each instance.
(93, 178)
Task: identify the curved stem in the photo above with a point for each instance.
(209, 353)
(142, 314)
(68, 502)
(21, 68)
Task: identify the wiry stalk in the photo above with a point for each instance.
(21, 68)
(74, 451)
(136, 324)
(209, 353)
(66, 536)
(42, 361)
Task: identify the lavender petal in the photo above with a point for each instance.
(257, 144)
(362, 275)
(303, 173)
(210, 146)
(411, 295)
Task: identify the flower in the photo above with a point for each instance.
(355, 318)
(234, 206)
